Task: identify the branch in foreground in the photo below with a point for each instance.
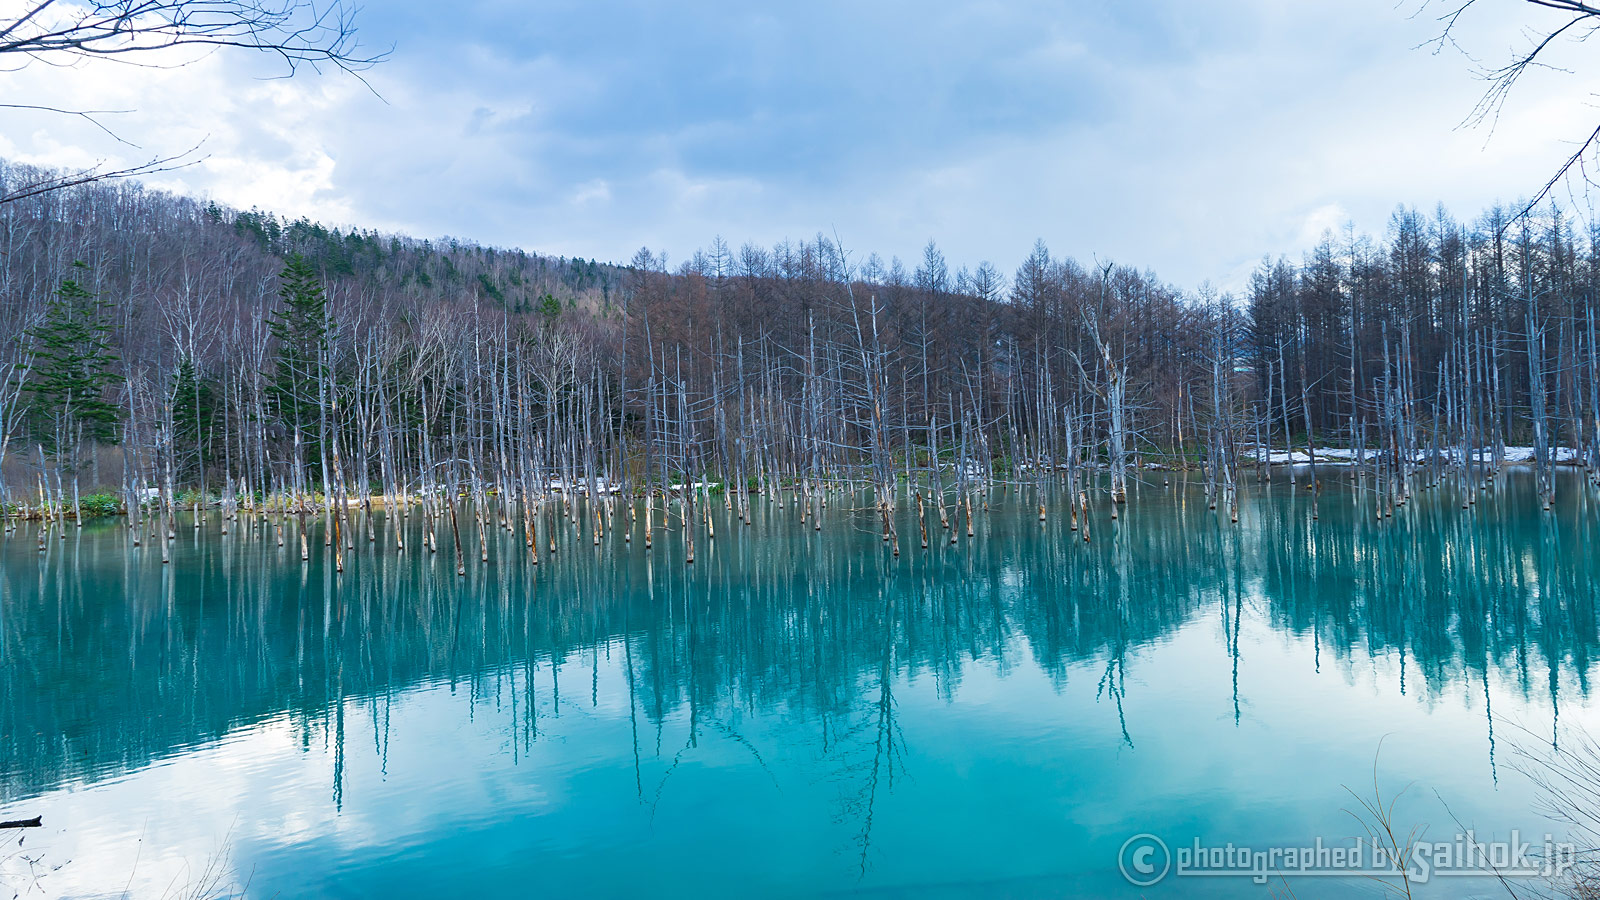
(96, 174)
(300, 32)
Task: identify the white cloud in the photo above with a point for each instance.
(591, 193)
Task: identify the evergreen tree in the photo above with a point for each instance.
(194, 413)
(301, 328)
(72, 372)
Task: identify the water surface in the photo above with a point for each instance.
(798, 712)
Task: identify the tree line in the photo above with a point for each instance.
(165, 346)
(1466, 336)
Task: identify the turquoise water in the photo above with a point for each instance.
(799, 712)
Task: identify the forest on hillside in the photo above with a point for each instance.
(157, 341)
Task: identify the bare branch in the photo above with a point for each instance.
(314, 33)
(1583, 21)
(299, 32)
(88, 115)
(60, 181)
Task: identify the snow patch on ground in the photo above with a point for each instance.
(1343, 456)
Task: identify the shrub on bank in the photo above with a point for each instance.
(102, 503)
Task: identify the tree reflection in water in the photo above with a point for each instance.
(112, 660)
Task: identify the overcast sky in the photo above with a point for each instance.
(1189, 138)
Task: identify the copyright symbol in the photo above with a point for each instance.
(1144, 860)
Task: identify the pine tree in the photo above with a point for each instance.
(300, 326)
(194, 413)
(72, 373)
